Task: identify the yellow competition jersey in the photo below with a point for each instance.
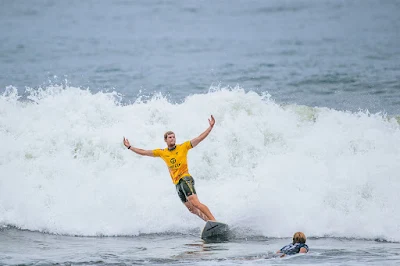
(176, 160)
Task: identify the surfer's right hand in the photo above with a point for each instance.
(126, 142)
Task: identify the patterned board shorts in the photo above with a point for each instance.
(185, 188)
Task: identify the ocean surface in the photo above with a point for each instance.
(306, 97)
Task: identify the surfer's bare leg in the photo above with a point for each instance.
(194, 200)
(196, 211)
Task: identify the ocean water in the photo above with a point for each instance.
(305, 94)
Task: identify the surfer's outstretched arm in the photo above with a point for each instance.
(203, 135)
(137, 150)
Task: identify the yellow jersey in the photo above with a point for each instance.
(176, 160)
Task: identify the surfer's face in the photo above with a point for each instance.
(170, 140)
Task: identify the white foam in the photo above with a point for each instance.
(278, 169)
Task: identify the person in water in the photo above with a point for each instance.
(297, 246)
(175, 156)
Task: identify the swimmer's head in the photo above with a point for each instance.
(299, 237)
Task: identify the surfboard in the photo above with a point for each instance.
(215, 231)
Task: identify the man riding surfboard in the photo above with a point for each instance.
(175, 156)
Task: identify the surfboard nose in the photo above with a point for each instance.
(215, 231)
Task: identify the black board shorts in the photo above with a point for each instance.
(185, 188)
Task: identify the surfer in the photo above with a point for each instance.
(297, 246)
(175, 156)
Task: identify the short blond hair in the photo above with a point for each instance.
(299, 237)
(168, 133)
